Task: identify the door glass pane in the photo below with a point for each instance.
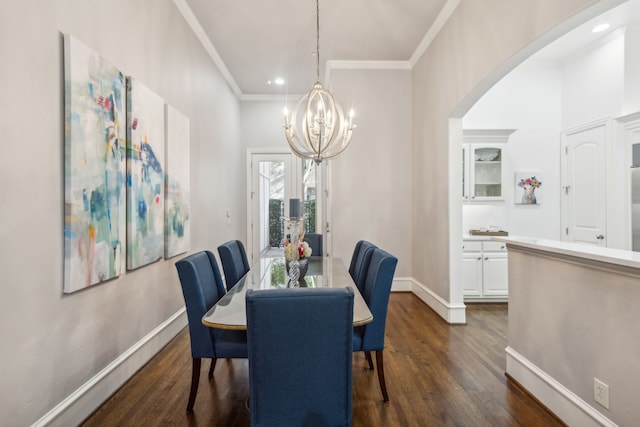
(271, 204)
(488, 172)
(309, 195)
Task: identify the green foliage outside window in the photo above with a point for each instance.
(276, 224)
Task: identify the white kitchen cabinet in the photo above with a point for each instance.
(472, 269)
(483, 169)
(484, 271)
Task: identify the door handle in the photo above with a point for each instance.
(600, 237)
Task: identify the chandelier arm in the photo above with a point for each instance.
(336, 111)
(307, 131)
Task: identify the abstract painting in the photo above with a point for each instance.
(527, 188)
(176, 202)
(145, 175)
(94, 171)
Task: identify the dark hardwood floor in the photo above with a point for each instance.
(437, 375)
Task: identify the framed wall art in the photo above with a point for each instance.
(528, 188)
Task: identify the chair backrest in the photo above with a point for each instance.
(315, 243)
(360, 262)
(300, 356)
(377, 287)
(202, 287)
(234, 261)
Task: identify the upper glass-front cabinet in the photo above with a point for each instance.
(482, 164)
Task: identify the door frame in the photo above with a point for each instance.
(323, 202)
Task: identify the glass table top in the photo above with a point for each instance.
(269, 273)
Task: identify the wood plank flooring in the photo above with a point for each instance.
(437, 375)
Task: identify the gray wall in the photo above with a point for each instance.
(54, 343)
(480, 43)
(371, 180)
(576, 322)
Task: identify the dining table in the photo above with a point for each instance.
(270, 273)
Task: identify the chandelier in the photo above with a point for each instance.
(325, 130)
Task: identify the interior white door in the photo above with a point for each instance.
(584, 189)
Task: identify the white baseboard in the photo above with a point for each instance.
(565, 404)
(85, 400)
(402, 284)
(452, 313)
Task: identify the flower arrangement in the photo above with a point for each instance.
(304, 250)
(529, 183)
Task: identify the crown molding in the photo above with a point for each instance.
(197, 29)
(442, 18)
(333, 64)
(487, 135)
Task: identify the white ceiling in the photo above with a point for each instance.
(259, 40)
(582, 38)
(256, 41)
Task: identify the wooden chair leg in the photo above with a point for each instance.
(213, 366)
(380, 366)
(367, 354)
(195, 379)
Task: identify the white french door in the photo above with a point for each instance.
(274, 177)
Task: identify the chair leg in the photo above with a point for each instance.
(195, 379)
(367, 354)
(213, 366)
(380, 366)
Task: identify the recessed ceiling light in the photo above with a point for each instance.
(600, 27)
(278, 81)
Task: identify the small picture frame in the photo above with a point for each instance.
(528, 188)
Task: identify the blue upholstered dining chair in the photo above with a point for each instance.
(300, 356)
(202, 287)
(234, 261)
(360, 262)
(315, 243)
(377, 287)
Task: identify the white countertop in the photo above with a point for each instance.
(480, 238)
(595, 253)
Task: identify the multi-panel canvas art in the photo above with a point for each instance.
(145, 178)
(94, 224)
(124, 200)
(176, 201)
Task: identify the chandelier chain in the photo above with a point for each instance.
(318, 40)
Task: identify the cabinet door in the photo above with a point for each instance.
(495, 277)
(485, 162)
(472, 274)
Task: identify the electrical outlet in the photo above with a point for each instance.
(601, 392)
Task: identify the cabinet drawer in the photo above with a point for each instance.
(495, 247)
(469, 246)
